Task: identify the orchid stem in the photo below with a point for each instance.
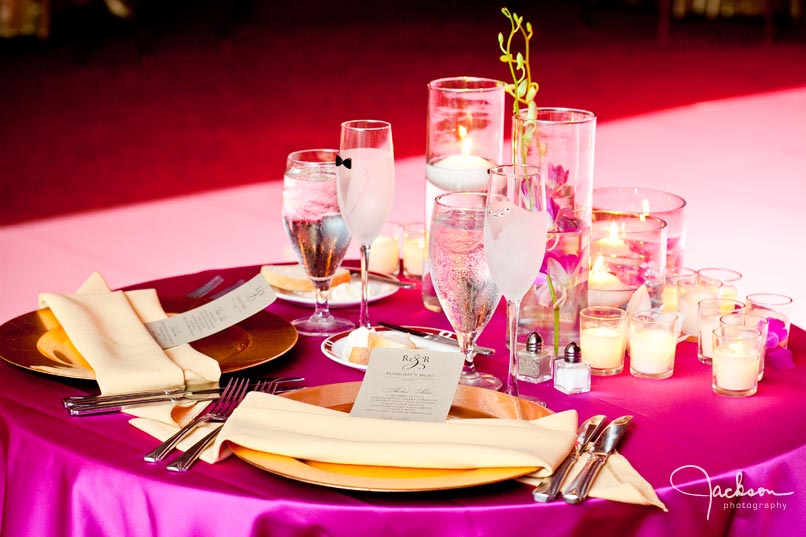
(556, 309)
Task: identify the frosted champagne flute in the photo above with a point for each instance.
(317, 231)
(463, 283)
(515, 231)
(366, 187)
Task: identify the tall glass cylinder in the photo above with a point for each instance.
(561, 141)
(465, 137)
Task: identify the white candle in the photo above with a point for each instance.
(459, 173)
(384, 255)
(603, 346)
(735, 367)
(669, 298)
(612, 245)
(413, 249)
(652, 351)
(605, 289)
(707, 324)
(688, 306)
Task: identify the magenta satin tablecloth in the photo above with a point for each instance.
(67, 476)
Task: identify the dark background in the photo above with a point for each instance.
(193, 95)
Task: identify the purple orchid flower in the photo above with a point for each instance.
(776, 332)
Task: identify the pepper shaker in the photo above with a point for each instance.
(571, 374)
(535, 361)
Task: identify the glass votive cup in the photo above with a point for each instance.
(736, 360)
(413, 249)
(775, 308)
(709, 311)
(384, 252)
(652, 344)
(603, 339)
(669, 207)
(748, 320)
(727, 277)
(690, 290)
(669, 295)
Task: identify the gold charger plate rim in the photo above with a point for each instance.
(268, 336)
(378, 479)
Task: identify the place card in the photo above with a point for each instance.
(223, 312)
(409, 385)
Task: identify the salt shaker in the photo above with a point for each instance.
(571, 374)
(534, 363)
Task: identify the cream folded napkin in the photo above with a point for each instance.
(283, 426)
(618, 481)
(107, 328)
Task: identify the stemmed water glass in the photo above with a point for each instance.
(515, 231)
(366, 187)
(463, 282)
(317, 231)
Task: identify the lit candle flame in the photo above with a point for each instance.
(614, 230)
(598, 265)
(467, 142)
(644, 209)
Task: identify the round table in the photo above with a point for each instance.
(72, 476)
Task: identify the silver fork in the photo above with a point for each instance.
(235, 386)
(186, 460)
(206, 288)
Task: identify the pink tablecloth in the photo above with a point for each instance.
(85, 476)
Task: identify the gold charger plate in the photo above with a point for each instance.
(469, 402)
(36, 341)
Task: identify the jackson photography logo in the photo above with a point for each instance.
(737, 497)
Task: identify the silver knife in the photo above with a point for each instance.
(383, 278)
(598, 452)
(548, 490)
(164, 394)
(202, 395)
(434, 337)
(105, 408)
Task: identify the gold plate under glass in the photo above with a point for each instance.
(469, 402)
(37, 341)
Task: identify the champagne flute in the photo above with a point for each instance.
(462, 280)
(366, 186)
(317, 231)
(515, 233)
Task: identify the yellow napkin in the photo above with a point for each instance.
(618, 481)
(107, 328)
(278, 425)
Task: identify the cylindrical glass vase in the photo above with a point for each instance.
(465, 138)
(561, 141)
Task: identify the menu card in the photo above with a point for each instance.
(409, 385)
(231, 308)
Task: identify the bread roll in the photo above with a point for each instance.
(359, 352)
(293, 278)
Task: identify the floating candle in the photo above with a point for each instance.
(605, 289)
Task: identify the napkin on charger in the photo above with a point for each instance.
(278, 425)
(107, 328)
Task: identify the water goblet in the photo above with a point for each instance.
(366, 186)
(515, 233)
(464, 285)
(318, 234)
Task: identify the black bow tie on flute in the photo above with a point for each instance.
(347, 162)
